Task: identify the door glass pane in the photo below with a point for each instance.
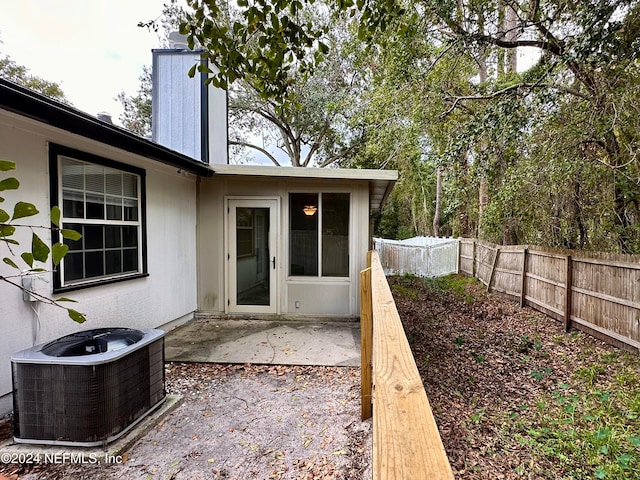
(303, 234)
(252, 256)
(335, 234)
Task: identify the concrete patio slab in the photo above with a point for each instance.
(223, 340)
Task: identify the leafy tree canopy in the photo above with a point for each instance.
(21, 75)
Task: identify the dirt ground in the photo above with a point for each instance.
(244, 422)
(485, 361)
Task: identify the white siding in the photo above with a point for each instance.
(166, 295)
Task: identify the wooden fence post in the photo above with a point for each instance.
(523, 292)
(473, 259)
(459, 259)
(366, 341)
(567, 294)
(493, 268)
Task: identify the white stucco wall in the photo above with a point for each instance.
(316, 296)
(166, 295)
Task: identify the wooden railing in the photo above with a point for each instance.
(406, 441)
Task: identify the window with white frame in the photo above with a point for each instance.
(102, 201)
(319, 234)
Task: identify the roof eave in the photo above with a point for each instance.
(30, 104)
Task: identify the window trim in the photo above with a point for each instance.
(55, 151)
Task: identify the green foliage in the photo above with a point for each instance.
(271, 42)
(19, 74)
(136, 115)
(39, 251)
(586, 428)
(441, 94)
(458, 284)
(313, 127)
(405, 291)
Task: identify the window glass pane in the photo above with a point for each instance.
(113, 261)
(73, 267)
(303, 234)
(129, 185)
(73, 244)
(72, 204)
(129, 236)
(130, 260)
(112, 236)
(113, 182)
(130, 210)
(94, 178)
(335, 234)
(95, 206)
(102, 195)
(93, 237)
(72, 174)
(114, 208)
(94, 264)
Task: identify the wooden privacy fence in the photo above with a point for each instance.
(595, 292)
(406, 441)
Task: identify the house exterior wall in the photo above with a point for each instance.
(167, 294)
(316, 296)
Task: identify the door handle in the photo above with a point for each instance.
(274, 263)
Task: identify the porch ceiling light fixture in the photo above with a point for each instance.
(310, 210)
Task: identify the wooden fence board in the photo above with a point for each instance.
(600, 291)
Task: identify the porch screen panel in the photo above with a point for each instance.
(303, 234)
(335, 234)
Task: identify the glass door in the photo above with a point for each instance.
(252, 255)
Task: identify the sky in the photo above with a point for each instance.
(92, 48)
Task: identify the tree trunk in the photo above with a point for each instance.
(436, 215)
(511, 35)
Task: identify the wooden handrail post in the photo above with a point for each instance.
(366, 341)
(523, 291)
(567, 294)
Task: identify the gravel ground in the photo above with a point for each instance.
(244, 422)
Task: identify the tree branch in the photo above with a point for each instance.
(530, 86)
(255, 147)
(38, 296)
